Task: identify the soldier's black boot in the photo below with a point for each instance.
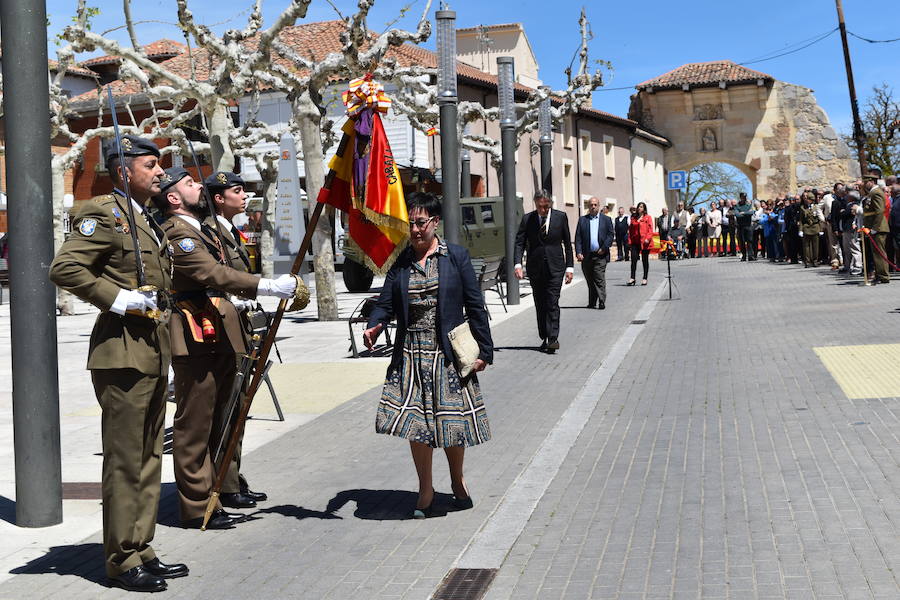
(138, 579)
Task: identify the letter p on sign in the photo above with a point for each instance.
(677, 180)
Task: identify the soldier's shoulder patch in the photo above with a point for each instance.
(87, 226)
(186, 244)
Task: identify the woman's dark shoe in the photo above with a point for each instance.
(643, 282)
(428, 511)
(424, 513)
(630, 282)
(463, 503)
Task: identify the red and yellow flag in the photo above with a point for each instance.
(375, 207)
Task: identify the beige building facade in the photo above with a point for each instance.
(480, 46)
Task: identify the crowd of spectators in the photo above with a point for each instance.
(812, 227)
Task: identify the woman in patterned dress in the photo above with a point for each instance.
(424, 400)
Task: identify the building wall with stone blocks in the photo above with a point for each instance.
(774, 132)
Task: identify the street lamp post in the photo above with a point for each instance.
(35, 387)
(447, 100)
(465, 189)
(545, 126)
(506, 101)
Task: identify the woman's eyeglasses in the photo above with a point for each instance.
(421, 223)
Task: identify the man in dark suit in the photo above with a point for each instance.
(593, 238)
(544, 237)
(621, 226)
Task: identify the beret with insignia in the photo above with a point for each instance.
(172, 176)
(871, 177)
(222, 180)
(132, 145)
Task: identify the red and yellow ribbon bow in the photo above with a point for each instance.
(364, 93)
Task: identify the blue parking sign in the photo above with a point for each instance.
(677, 180)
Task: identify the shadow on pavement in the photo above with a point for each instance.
(291, 510)
(532, 348)
(81, 560)
(7, 510)
(385, 505)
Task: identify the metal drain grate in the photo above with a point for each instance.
(465, 584)
(639, 321)
(81, 490)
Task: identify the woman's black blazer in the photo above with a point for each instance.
(458, 294)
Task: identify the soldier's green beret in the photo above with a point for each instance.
(222, 180)
(132, 145)
(172, 176)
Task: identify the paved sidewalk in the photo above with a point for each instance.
(721, 459)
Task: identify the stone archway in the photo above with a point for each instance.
(774, 132)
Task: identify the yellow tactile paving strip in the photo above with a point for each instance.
(863, 371)
(318, 387)
(308, 388)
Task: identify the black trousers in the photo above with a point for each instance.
(621, 248)
(594, 268)
(745, 236)
(546, 285)
(792, 239)
(644, 255)
(759, 241)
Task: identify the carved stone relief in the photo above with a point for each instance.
(708, 112)
(708, 139)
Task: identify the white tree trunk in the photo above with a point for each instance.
(220, 124)
(266, 247)
(314, 166)
(64, 300)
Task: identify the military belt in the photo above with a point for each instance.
(198, 295)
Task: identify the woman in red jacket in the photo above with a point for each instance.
(640, 236)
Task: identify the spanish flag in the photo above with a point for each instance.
(376, 208)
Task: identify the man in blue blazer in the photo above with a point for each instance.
(593, 237)
(544, 240)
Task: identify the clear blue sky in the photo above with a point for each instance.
(641, 39)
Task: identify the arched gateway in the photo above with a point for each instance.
(774, 132)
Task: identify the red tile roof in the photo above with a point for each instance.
(705, 74)
(316, 40)
(72, 69)
(158, 49)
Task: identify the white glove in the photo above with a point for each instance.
(801, 234)
(134, 300)
(821, 233)
(283, 287)
(241, 304)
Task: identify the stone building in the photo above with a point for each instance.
(774, 132)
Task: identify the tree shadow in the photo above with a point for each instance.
(292, 510)
(385, 505)
(80, 560)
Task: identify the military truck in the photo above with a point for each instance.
(481, 231)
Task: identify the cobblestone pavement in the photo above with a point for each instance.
(722, 460)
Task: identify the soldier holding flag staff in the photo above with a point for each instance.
(229, 199)
(128, 355)
(206, 336)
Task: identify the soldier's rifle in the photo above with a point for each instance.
(138, 257)
(261, 363)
